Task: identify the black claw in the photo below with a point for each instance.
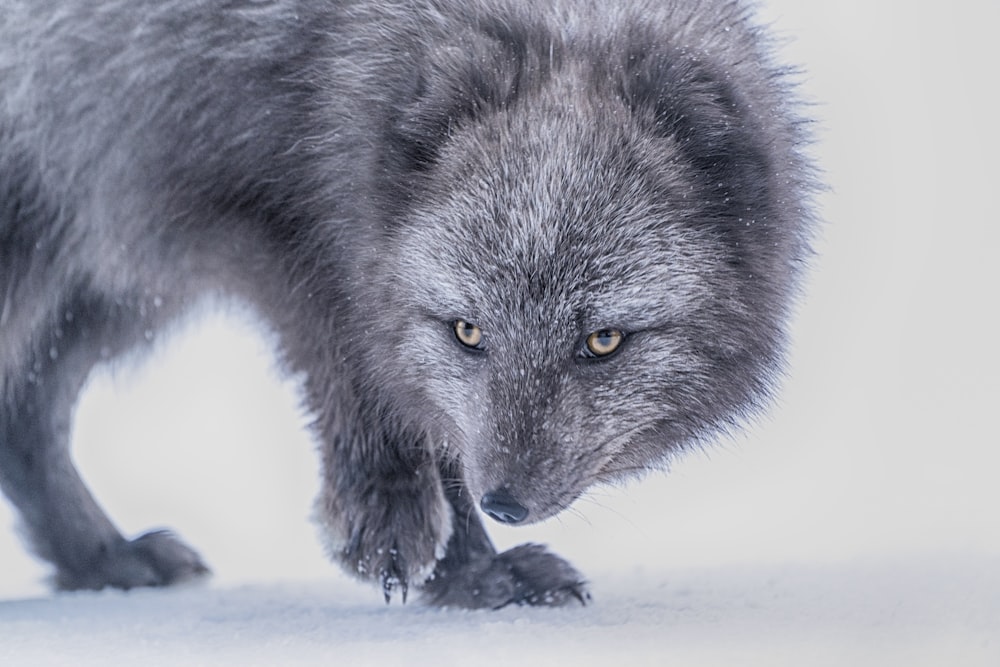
(390, 581)
(582, 596)
(387, 586)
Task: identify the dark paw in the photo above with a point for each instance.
(394, 541)
(391, 563)
(524, 575)
(154, 559)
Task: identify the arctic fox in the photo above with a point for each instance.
(514, 248)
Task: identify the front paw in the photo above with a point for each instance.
(525, 575)
(394, 539)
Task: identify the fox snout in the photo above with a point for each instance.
(500, 505)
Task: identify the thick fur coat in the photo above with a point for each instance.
(513, 248)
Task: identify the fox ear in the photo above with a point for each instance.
(456, 84)
(679, 97)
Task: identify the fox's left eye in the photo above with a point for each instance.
(603, 343)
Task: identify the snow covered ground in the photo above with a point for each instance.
(937, 613)
(858, 524)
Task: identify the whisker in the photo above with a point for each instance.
(575, 511)
(624, 517)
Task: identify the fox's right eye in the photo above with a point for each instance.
(469, 334)
(603, 343)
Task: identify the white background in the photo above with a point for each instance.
(858, 521)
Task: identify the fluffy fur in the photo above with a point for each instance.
(366, 174)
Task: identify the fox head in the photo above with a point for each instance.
(594, 266)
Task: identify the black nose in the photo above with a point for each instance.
(502, 506)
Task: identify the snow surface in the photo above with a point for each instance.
(804, 615)
(858, 524)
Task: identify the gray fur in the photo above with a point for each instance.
(366, 174)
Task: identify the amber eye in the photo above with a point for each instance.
(604, 342)
(468, 334)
